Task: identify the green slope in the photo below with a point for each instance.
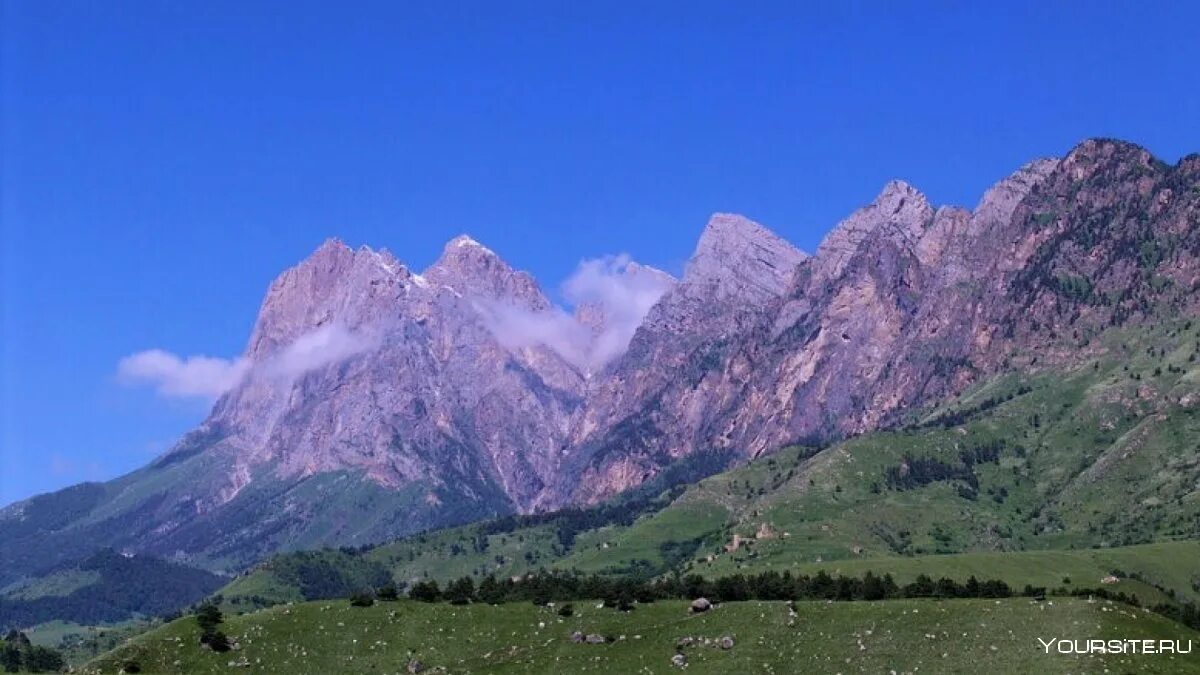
(105, 587)
(897, 635)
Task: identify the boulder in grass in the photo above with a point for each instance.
(415, 666)
(577, 637)
(679, 660)
(726, 642)
(700, 605)
(595, 639)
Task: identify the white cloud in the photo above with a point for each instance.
(209, 377)
(517, 327)
(624, 292)
(176, 377)
(621, 291)
(325, 345)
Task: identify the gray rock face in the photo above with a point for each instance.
(738, 260)
(900, 210)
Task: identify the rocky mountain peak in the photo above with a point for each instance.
(1108, 148)
(999, 202)
(331, 247)
(898, 199)
(738, 258)
(464, 254)
(334, 284)
(1096, 156)
(900, 210)
(476, 271)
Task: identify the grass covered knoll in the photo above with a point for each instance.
(900, 635)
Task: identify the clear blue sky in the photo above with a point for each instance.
(163, 161)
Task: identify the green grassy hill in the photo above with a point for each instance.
(875, 637)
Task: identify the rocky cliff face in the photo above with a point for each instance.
(379, 401)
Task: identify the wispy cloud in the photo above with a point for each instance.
(615, 288)
(173, 376)
(624, 293)
(517, 327)
(209, 377)
(328, 344)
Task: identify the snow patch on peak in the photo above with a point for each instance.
(466, 240)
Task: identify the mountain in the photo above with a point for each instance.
(1028, 478)
(904, 304)
(378, 402)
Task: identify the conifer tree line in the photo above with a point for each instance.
(624, 593)
(544, 587)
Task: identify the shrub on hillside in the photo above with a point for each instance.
(387, 592)
(425, 591)
(215, 641)
(208, 617)
(461, 591)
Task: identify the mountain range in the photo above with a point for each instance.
(374, 402)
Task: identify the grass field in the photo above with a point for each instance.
(870, 637)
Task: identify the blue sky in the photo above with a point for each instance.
(163, 161)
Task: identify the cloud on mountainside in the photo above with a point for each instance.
(208, 377)
(182, 377)
(623, 294)
(328, 344)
